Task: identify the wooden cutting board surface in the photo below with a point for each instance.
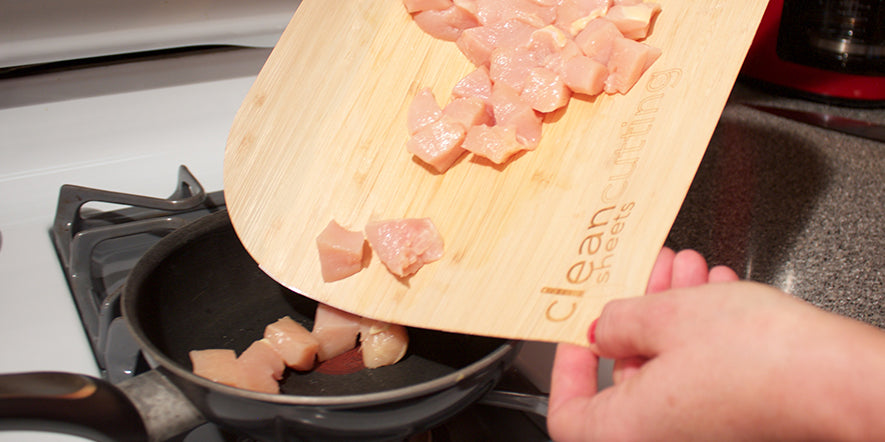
(534, 248)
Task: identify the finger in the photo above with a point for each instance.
(626, 368)
(572, 387)
(662, 272)
(722, 274)
(574, 374)
(689, 269)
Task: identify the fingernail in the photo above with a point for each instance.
(593, 331)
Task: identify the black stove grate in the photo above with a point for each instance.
(97, 249)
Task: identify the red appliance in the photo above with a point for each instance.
(829, 51)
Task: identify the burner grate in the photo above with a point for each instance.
(98, 248)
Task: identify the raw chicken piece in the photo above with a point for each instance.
(467, 112)
(534, 12)
(446, 24)
(478, 43)
(573, 15)
(437, 139)
(633, 20)
(405, 245)
(512, 32)
(341, 252)
(497, 143)
(511, 110)
(335, 330)
(475, 84)
(551, 48)
(468, 5)
(262, 367)
(294, 343)
(510, 66)
(545, 91)
(628, 61)
(382, 343)
(423, 110)
(597, 38)
(438, 144)
(423, 5)
(584, 75)
(218, 365)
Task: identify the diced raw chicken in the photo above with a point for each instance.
(262, 367)
(341, 252)
(446, 24)
(478, 43)
(475, 84)
(467, 111)
(531, 57)
(497, 143)
(286, 343)
(551, 48)
(633, 20)
(573, 15)
(545, 91)
(423, 5)
(423, 110)
(438, 144)
(512, 32)
(468, 5)
(511, 110)
(335, 330)
(405, 245)
(584, 75)
(510, 66)
(597, 38)
(382, 343)
(628, 61)
(219, 365)
(294, 343)
(537, 13)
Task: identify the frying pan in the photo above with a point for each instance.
(198, 288)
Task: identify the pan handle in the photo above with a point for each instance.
(532, 403)
(68, 403)
(94, 408)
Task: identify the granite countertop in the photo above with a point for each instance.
(795, 206)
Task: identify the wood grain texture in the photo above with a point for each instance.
(534, 248)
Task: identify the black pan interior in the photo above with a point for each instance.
(199, 288)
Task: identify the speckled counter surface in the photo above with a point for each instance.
(792, 205)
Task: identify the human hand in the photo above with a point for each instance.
(714, 358)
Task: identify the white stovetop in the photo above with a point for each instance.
(125, 128)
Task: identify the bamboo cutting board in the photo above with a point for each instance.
(533, 248)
